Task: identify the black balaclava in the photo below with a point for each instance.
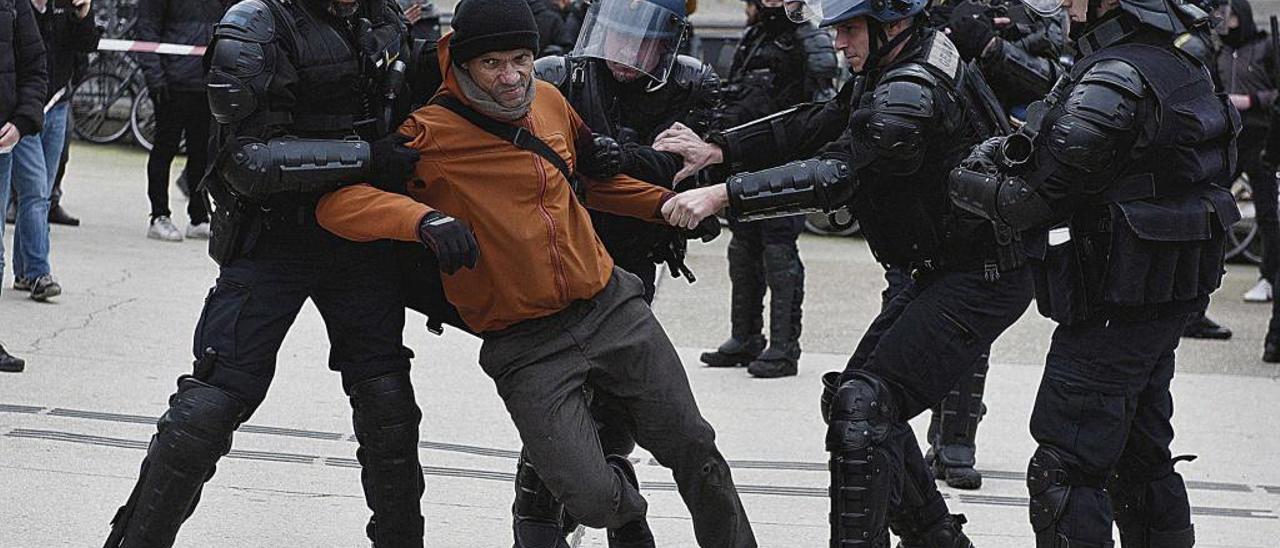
(1247, 30)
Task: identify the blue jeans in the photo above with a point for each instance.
(25, 168)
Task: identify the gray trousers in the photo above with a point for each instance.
(613, 344)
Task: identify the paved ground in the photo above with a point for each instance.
(103, 359)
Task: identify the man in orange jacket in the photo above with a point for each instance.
(539, 287)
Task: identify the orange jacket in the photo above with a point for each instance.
(538, 250)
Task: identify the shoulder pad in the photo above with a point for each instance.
(690, 72)
(1117, 74)
(820, 52)
(1195, 45)
(813, 39)
(248, 21)
(552, 69)
(906, 91)
(910, 72)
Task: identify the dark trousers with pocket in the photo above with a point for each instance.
(613, 344)
(1104, 410)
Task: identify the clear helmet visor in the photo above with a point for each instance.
(1045, 8)
(818, 12)
(636, 35)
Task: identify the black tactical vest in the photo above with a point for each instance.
(1151, 243)
(909, 221)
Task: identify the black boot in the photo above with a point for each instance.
(746, 274)
(191, 436)
(1201, 327)
(58, 215)
(635, 534)
(953, 431)
(785, 274)
(10, 363)
(945, 532)
(536, 513)
(1271, 352)
(386, 419)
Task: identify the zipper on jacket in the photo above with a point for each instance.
(557, 263)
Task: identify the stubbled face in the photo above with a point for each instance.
(505, 75)
(853, 40)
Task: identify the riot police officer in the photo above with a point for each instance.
(920, 111)
(1020, 54)
(628, 83)
(627, 95)
(778, 63)
(1117, 171)
(301, 92)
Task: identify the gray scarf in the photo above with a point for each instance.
(485, 103)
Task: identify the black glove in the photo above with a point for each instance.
(391, 163)
(452, 242)
(971, 29)
(707, 230)
(604, 160)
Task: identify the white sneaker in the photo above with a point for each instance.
(198, 231)
(162, 229)
(1261, 293)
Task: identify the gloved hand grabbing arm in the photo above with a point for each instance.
(391, 163)
(605, 159)
(452, 242)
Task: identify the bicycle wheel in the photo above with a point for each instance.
(819, 223)
(100, 106)
(142, 120)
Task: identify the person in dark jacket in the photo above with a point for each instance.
(66, 30)
(176, 86)
(551, 36)
(23, 91)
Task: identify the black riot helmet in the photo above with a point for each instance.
(1174, 16)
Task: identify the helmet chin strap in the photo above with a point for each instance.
(880, 45)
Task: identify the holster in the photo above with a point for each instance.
(231, 223)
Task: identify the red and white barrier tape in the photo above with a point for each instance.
(107, 44)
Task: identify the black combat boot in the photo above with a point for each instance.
(58, 215)
(537, 514)
(1201, 327)
(1271, 348)
(635, 534)
(785, 275)
(746, 313)
(10, 363)
(953, 431)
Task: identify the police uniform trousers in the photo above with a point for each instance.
(1104, 409)
(925, 339)
(354, 286)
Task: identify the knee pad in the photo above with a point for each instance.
(1050, 482)
(196, 430)
(385, 414)
(861, 414)
(830, 384)
(533, 499)
(861, 417)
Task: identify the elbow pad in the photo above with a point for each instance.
(1007, 199)
(790, 189)
(289, 165)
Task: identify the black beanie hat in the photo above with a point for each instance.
(482, 26)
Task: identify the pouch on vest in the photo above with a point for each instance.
(1168, 249)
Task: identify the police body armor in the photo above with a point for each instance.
(1151, 242)
(634, 114)
(913, 225)
(779, 64)
(297, 101)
